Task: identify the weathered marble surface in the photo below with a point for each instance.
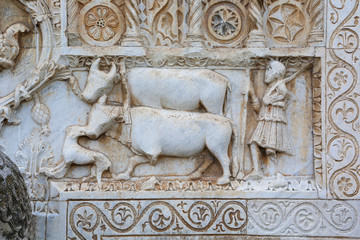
(184, 119)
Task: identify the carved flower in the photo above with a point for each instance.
(84, 219)
(340, 78)
(305, 219)
(344, 184)
(101, 22)
(286, 22)
(225, 22)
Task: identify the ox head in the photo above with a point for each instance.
(103, 117)
(98, 83)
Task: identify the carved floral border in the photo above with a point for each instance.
(342, 101)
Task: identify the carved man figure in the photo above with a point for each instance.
(271, 130)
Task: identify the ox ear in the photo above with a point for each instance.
(102, 100)
(95, 65)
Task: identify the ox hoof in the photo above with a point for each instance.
(240, 176)
(122, 176)
(195, 175)
(223, 181)
(254, 175)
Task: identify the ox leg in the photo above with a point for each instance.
(134, 161)
(224, 160)
(225, 163)
(204, 165)
(102, 163)
(213, 107)
(218, 144)
(213, 101)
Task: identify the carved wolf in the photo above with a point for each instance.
(178, 89)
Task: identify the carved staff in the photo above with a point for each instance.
(194, 36)
(132, 34)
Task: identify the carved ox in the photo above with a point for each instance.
(160, 132)
(179, 89)
(176, 89)
(154, 133)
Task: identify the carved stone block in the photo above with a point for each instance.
(183, 119)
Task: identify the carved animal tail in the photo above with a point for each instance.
(235, 166)
(57, 172)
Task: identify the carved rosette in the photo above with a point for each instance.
(101, 23)
(286, 23)
(225, 23)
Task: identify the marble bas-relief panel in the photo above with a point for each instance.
(189, 119)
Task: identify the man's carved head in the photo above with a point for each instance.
(274, 71)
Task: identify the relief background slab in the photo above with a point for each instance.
(317, 194)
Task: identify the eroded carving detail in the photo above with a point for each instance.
(316, 218)
(9, 45)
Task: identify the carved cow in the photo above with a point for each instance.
(178, 89)
(160, 132)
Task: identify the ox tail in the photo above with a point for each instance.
(235, 164)
(227, 105)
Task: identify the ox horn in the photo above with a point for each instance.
(112, 72)
(95, 65)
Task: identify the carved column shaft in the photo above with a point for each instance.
(132, 34)
(73, 8)
(316, 10)
(195, 36)
(256, 36)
